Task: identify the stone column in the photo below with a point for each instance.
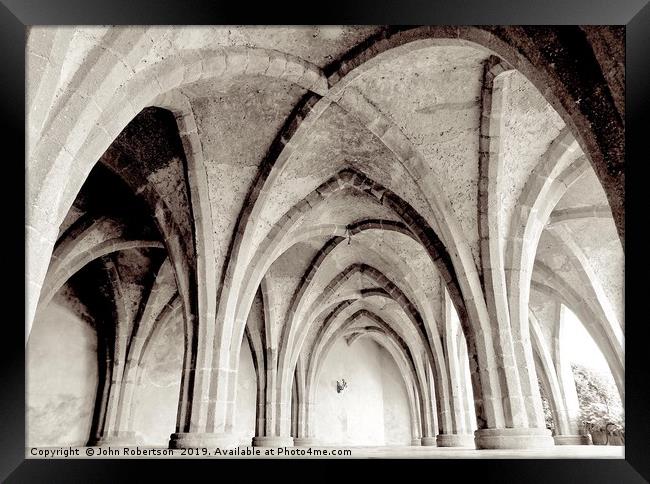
(204, 401)
(275, 416)
(122, 433)
(429, 418)
(466, 386)
(202, 412)
(128, 348)
(305, 436)
(520, 423)
(205, 406)
(111, 430)
(276, 431)
(112, 354)
(430, 421)
(105, 369)
(458, 435)
(415, 414)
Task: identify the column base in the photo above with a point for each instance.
(522, 438)
(305, 442)
(117, 439)
(202, 439)
(455, 440)
(273, 441)
(428, 442)
(416, 442)
(572, 440)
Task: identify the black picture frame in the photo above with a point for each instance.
(16, 15)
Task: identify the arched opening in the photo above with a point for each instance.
(110, 266)
(600, 407)
(282, 190)
(371, 408)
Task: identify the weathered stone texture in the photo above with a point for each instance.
(227, 221)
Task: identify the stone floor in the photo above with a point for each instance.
(557, 452)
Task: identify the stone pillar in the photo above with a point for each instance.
(466, 386)
(513, 438)
(202, 414)
(204, 410)
(428, 441)
(415, 414)
(108, 428)
(104, 369)
(274, 417)
(204, 406)
(275, 428)
(302, 436)
(428, 415)
(122, 433)
(458, 434)
(455, 440)
(305, 436)
(294, 408)
(518, 419)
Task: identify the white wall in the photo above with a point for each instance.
(61, 366)
(397, 418)
(373, 409)
(62, 381)
(61, 378)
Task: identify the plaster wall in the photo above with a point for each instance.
(373, 409)
(61, 378)
(62, 381)
(397, 425)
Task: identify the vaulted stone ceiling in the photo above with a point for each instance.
(263, 167)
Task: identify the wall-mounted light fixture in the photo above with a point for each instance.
(341, 385)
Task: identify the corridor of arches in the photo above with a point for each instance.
(322, 236)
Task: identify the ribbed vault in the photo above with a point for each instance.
(437, 190)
